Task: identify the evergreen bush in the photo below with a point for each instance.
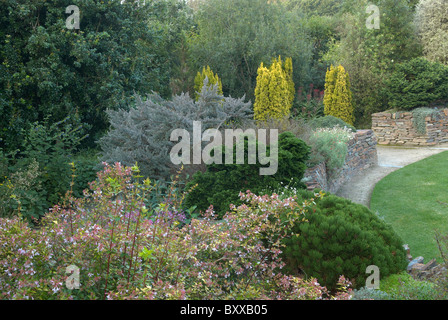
(338, 98)
(221, 183)
(343, 237)
(330, 122)
(417, 83)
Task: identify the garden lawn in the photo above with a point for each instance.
(414, 200)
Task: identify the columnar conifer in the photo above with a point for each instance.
(274, 92)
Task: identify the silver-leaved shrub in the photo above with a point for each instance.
(142, 134)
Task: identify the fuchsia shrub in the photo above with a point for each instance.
(125, 251)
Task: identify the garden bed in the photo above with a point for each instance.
(361, 155)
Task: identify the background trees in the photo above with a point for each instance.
(432, 26)
(50, 71)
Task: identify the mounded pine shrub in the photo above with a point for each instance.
(342, 237)
(221, 183)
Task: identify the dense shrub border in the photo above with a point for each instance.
(125, 251)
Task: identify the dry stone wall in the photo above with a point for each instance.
(361, 155)
(398, 129)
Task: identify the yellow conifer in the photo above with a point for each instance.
(338, 98)
(212, 80)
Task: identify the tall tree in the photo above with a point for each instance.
(432, 25)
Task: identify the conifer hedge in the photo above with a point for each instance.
(417, 83)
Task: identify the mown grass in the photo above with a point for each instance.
(414, 200)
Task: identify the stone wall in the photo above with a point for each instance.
(360, 156)
(398, 129)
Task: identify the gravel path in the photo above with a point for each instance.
(359, 188)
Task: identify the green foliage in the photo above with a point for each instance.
(221, 183)
(432, 28)
(233, 37)
(369, 294)
(274, 92)
(338, 99)
(417, 83)
(329, 122)
(21, 193)
(403, 286)
(419, 118)
(321, 30)
(50, 71)
(41, 174)
(212, 80)
(343, 237)
(317, 7)
(125, 251)
(308, 105)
